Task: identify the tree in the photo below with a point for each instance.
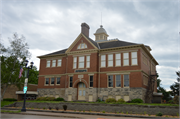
(12, 60)
(33, 75)
(175, 87)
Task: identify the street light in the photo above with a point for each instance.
(25, 84)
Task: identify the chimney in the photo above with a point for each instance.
(85, 29)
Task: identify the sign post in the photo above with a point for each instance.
(25, 91)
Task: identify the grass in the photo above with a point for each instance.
(8, 111)
(3, 103)
(151, 104)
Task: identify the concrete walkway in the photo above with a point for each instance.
(68, 114)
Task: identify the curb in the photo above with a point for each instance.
(86, 113)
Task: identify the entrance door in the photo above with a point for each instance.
(81, 91)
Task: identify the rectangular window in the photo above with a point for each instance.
(118, 80)
(110, 81)
(126, 80)
(110, 60)
(91, 81)
(70, 81)
(52, 81)
(53, 63)
(126, 59)
(134, 58)
(118, 59)
(81, 62)
(74, 62)
(58, 81)
(47, 81)
(87, 61)
(48, 64)
(103, 60)
(59, 62)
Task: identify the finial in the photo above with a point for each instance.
(101, 26)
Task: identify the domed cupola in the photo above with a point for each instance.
(100, 34)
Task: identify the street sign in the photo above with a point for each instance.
(25, 89)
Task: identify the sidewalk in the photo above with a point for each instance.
(72, 114)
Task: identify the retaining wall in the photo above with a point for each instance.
(134, 109)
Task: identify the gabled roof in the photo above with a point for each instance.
(117, 43)
(92, 41)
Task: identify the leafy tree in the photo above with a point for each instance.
(11, 61)
(175, 87)
(33, 75)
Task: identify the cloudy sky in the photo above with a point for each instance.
(52, 25)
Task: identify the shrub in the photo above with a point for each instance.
(171, 101)
(9, 99)
(64, 107)
(45, 99)
(57, 108)
(176, 99)
(98, 100)
(110, 100)
(103, 112)
(59, 99)
(159, 114)
(121, 101)
(50, 108)
(137, 101)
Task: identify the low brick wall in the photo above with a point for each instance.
(135, 109)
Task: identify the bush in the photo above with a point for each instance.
(159, 114)
(121, 101)
(110, 100)
(171, 101)
(57, 108)
(137, 101)
(50, 108)
(98, 100)
(176, 99)
(9, 99)
(59, 99)
(64, 107)
(45, 99)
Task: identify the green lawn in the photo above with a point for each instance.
(152, 104)
(9, 111)
(3, 103)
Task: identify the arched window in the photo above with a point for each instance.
(82, 46)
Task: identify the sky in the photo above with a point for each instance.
(52, 25)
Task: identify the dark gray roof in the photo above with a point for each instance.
(113, 44)
(57, 52)
(92, 41)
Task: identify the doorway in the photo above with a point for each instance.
(81, 91)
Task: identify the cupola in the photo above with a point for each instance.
(101, 34)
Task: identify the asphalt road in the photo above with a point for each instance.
(64, 116)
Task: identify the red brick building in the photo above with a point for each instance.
(88, 69)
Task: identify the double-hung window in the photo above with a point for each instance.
(47, 81)
(91, 81)
(53, 63)
(118, 59)
(71, 81)
(126, 59)
(75, 62)
(110, 81)
(118, 80)
(58, 81)
(59, 62)
(48, 64)
(81, 62)
(134, 58)
(52, 81)
(126, 80)
(87, 61)
(103, 60)
(110, 60)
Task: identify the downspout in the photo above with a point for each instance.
(66, 73)
(98, 72)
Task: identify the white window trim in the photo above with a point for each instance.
(56, 80)
(50, 81)
(117, 59)
(126, 59)
(75, 63)
(49, 63)
(108, 81)
(123, 81)
(80, 46)
(45, 82)
(110, 60)
(80, 62)
(120, 81)
(53, 62)
(89, 81)
(58, 63)
(88, 61)
(103, 60)
(135, 58)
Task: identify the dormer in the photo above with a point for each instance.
(101, 34)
